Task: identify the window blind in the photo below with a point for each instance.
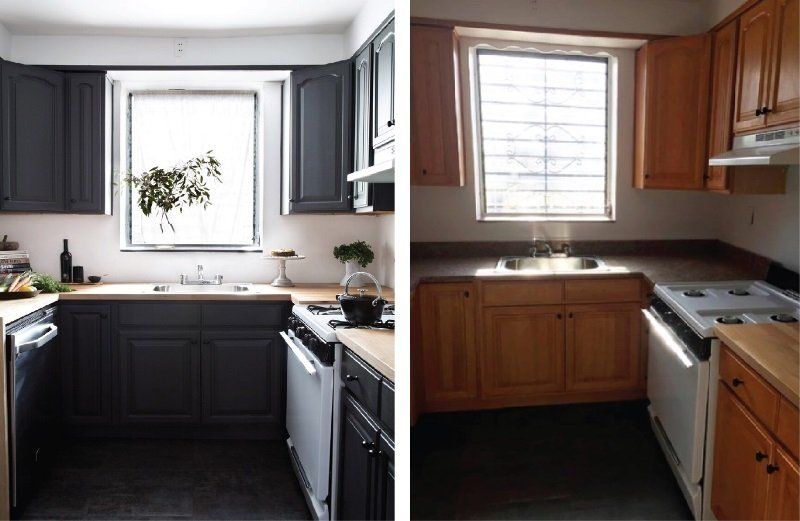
(543, 134)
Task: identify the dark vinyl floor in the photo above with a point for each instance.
(589, 461)
(170, 479)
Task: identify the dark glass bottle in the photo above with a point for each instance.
(66, 264)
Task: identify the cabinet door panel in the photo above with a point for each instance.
(33, 139)
(85, 343)
(603, 347)
(523, 351)
(357, 462)
(448, 342)
(383, 74)
(386, 479)
(752, 70)
(86, 174)
(783, 498)
(785, 85)
(362, 125)
(723, 77)
(739, 489)
(159, 377)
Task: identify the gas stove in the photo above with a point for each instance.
(703, 305)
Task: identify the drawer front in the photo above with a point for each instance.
(756, 394)
(159, 314)
(602, 291)
(521, 293)
(361, 380)
(788, 428)
(387, 404)
(243, 315)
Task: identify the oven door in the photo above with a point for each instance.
(677, 386)
(309, 410)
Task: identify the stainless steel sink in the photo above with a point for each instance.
(215, 288)
(533, 264)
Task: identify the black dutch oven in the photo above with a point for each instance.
(361, 309)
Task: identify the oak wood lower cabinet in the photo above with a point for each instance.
(783, 496)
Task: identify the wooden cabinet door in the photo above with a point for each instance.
(784, 102)
(86, 124)
(672, 112)
(436, 135)
(32, 139)
(321, 137)
(783, 498)
(523, 351)
(159, 377)
(85, 363)
(742, 450)
(752, 69)
(357, 462)
(383, 74)
(603, 347)
(449, 357)
(723, 77)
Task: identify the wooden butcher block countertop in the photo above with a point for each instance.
(771, 350)
(375, 346)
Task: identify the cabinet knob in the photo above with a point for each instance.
(760, 455)
(367, 444)
(291, 200)
(424, 172)
(390, 123)
(7, 198)
(569, 315)
(103, 315)
(736, 382)
(350, 377)
(466, 294)
(558, 316)
(706, 177)
(758, 112)
(765, 110)
(647, 176)
(772, 468)
(73, 200)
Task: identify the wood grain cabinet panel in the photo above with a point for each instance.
(755, 393)
(521, 293)
(436, 133)
(588, 291)
(783, 496)
(787, 428)
(752, 69)
(448, 343)
(784, 105)
(603, 347)
(723, 77)
(671, 123)
(523, 351)
(741, 453)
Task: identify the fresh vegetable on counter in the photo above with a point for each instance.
(47, 284)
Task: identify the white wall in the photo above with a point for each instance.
(367, 20)
(717, 10)
(5, 42)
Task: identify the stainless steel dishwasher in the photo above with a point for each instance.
(34, 405)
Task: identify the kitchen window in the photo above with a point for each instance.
(169, 127)
(542, 134)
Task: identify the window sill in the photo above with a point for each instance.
(248, 249)
(560, 219)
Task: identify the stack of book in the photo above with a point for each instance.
(14, 261)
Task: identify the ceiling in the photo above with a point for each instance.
(177, 18)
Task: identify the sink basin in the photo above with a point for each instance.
(549, 263)
(210, 288)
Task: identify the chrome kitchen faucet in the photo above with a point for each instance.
(200, 280)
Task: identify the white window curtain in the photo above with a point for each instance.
(167, 128)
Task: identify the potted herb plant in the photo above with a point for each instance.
(353, 255)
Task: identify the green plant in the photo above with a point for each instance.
(177, 188)
(47, 284)
(358, 251)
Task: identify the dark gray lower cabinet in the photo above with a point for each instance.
(359, 462)
(85, 342)
(159, 377)
(385, 490)
(242, 375)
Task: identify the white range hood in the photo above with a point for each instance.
(777, 147)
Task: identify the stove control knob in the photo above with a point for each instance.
(292, 323)
(311, 343)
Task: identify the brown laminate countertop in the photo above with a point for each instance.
(375, 346)
(11, 310)
(771, 350)
(656, 268)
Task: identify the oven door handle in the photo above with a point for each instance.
(52, 331)
(308, 365)
(670, 341)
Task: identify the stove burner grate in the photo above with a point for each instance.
(330, 309)
(730, 319)
(694, 293)
(739, 292)
(380, 324)
(782, 317)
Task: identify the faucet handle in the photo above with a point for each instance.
(199, 267)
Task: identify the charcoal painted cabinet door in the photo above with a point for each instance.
(385, 483)
(85, 341)
(242, 377)
(86, 185)
(159, 377)
(32, 139)
(362, 126)
(321, 138)
(383, 74)
(358, 462)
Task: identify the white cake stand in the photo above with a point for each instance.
(282, 281)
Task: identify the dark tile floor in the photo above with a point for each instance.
(591, 461)
(170, 479)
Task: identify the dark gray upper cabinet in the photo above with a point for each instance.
(321, 138)
(86, 153)
(383, 89)
(362, 157)
(33, 139)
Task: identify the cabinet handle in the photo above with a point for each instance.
(760, 455)
(466, 294)
(765, 110)
(758, 112)
(73, 200)
(772, 468)
(424, 172)
(7, 198)
(558, 316)
(706, 177)
(350, 377)
(291, 200)
(193, 342)
(367, 444)
(647, 176)
(390, 123)
(569, 315)
(736, 382)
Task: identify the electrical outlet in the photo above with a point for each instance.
(179, 46)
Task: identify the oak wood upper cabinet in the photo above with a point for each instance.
(448, 344)
(321, 138)
(767, 90)
(523, 350)
(742, 452)
(602, 347)
(783, 496)
(436, 133)
(383, 122)
(723, 76)
(32, 139)
(671, 125)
